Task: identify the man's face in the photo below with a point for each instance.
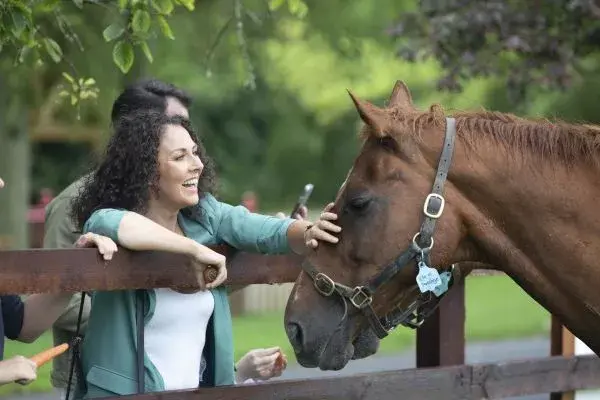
(174, 107)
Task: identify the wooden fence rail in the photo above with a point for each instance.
(440, 341)
(44, 270)
(482, 381)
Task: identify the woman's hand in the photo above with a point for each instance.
(261, 364)
(318, 231)
(204, 257)
(106, 246)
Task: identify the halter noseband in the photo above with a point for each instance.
(428, 279)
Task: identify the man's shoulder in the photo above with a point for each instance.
(68, 194)
(60, 230)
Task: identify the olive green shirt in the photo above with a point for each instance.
(60, 233)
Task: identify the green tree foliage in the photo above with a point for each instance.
(24, 31)
(527, 44)
(32, 31)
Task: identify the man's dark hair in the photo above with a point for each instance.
(147, 94)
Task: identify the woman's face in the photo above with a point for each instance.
(179, 168)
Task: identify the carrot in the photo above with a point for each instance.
(281, 361)
(47, 355)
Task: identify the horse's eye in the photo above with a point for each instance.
(359, 203)
(389, 144)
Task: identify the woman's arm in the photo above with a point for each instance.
(244, 230)
(136, 232)
(265, 234)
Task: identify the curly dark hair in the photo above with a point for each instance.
(128, 172)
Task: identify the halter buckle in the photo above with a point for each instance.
(328, 284)
(430, 204)
(414, 323)
(360, 298)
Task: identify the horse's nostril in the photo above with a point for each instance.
(294, 332)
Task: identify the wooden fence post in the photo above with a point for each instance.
(441, 339)
(562, 343)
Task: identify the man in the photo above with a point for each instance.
(61, 232)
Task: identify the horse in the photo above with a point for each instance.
(429, 193)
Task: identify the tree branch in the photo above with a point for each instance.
(239, 24)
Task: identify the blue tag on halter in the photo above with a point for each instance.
(443, 287)
(428, 278)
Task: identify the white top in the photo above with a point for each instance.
(175, 336)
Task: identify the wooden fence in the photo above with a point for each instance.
(440, 373)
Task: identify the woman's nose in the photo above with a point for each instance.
(197, 163)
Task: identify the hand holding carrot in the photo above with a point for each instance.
(17, 369)
(23, 370)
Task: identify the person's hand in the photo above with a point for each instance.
(301, 214)
(261, 364)
(318, 231)
(18, 369)
(106, 246)
(204, 257)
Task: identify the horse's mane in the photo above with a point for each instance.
(556, 140)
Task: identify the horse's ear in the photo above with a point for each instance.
(371, 115)
(400, 96)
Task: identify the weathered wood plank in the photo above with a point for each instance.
(552, 374)
(43, 270)
(493, 381)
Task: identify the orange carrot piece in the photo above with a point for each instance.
(281, 361)
(47, 355)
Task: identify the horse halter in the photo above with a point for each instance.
(361, 297)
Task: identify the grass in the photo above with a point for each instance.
(496, 309)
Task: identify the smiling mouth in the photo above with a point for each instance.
(190, 183)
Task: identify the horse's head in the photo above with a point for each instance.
(389, 207)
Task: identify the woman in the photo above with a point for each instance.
(153, 191)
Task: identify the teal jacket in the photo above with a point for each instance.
(108, 354)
